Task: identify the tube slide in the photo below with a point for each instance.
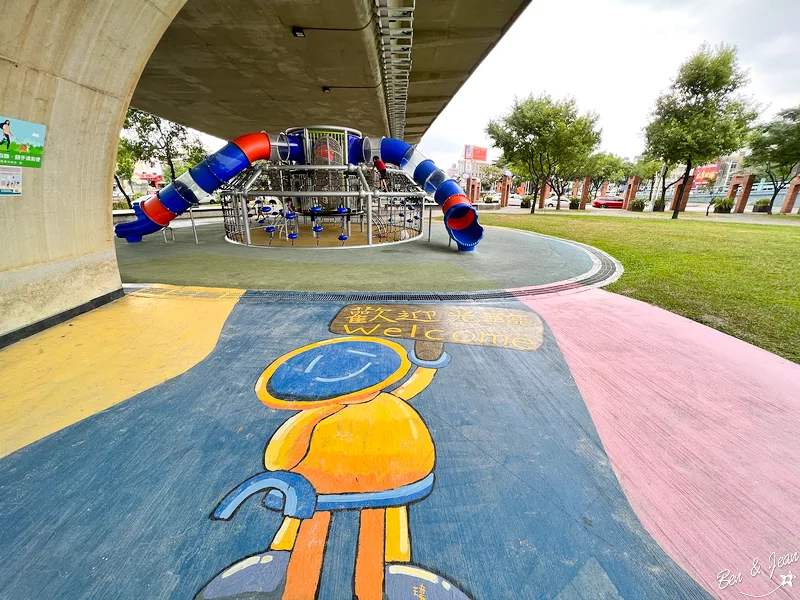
(158, 210)
(460, 217)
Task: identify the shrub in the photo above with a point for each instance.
(637, 204)
(658, 205)
(723, 205)
(525, 202)
(119, 205)
(761, 205)
(762, 202)
(574, 203)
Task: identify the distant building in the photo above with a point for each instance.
(452, 172)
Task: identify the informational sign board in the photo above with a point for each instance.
(475, 153)
(705, 173)
(478, 326)
(10, 181)
(21, 143)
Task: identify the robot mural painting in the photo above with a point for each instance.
(357, 443)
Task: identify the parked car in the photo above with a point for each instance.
(514, 199)
(608, 202)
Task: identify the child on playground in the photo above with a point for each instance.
(381, 167)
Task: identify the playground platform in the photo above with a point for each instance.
(566, 442)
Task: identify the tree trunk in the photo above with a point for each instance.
(169, 162)
(652, 186)
(776, 190)
(535, 199)
(681, 188)
(121, 189)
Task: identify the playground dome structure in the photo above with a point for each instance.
(308, 186)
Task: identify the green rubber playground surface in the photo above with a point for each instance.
(504, 259)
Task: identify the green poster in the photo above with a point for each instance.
(21, 143)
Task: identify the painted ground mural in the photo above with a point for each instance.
(370, 451)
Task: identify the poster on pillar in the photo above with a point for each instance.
(21, 143)
(10, 181)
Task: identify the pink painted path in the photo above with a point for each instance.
(702, 429)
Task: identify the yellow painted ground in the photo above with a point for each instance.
(98, 359)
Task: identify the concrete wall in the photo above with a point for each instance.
(71, 65)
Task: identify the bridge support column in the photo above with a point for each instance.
(72, 66)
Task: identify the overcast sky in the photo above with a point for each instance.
(614, 57)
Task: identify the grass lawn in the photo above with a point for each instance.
(739, 278)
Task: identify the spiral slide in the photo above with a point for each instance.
(157, 211)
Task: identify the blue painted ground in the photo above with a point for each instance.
(525, 503)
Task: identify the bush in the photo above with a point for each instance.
(119, 205)
(761, 205)
(658, 205)
(574, 203)
(525, 202)
(723, 205)
(487, 198)
(637, 205)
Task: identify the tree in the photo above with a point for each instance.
(647, 169)
(546, 138)
(775, 150)
(708, 185)
(702, 116)
(126, 162)
(602, 167)
(154, 138)
(491, 175)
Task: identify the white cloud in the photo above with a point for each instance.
(614, 57)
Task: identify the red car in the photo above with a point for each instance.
(607, 202)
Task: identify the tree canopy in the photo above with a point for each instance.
(126, 162)
(548, 138)
(603, 166)
(702, 116)
(775, 149)
(155, 139)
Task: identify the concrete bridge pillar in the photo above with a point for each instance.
(72, 66)
(791, 196)
(743, 183)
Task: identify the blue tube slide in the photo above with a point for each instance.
(460, 217)
(158, 210)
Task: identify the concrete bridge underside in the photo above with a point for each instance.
(224, 68)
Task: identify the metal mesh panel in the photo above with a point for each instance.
(327, 150)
